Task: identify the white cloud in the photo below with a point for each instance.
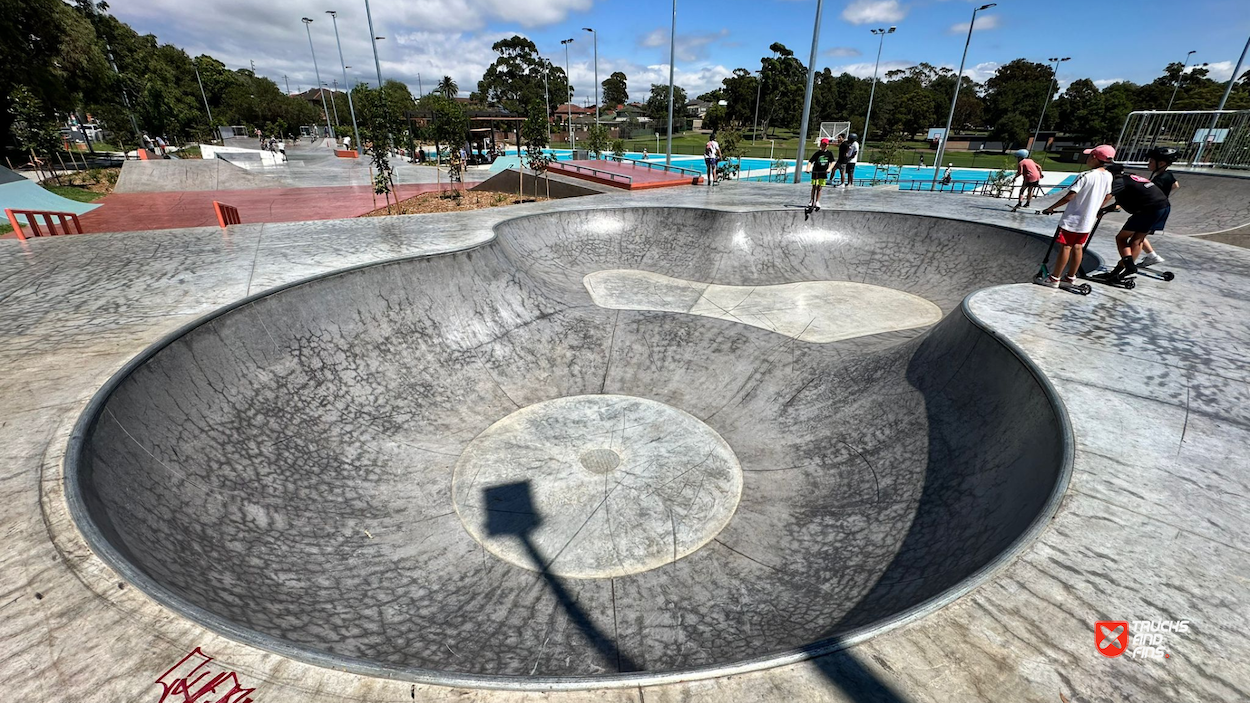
(865, 11)
(864, 69)
(433, 37)
(690, 47)
(980, 72)
(843, 51)
(983, 23)
(1104, 82)
(1218, 70)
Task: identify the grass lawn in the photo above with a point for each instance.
(82, 195)
(785, 144)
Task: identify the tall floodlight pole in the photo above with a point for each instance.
(420, 89)
(202, 95)
(568, 93)
(807, 94)
(374, 40)
(1050, 90)
(1232, 80)
(863, 142)
(1177, 87)
(672, 58)
(595, 35)
(334, 17)
(755, 122)
(288, 83)
(547, 98)
(959, 80)
(335, 107)
(325, 108)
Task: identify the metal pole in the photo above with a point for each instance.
(807, 95)
(672, 58)
(547, 100)
(334, 17)
(568, 93)
(373, 39)
(307, 23)
(959, 79)
(335, 83)
(595, 35)
(108, 51)
(288, 83)
(1180, 75)
(863, 142)
(1046, 102)
(755, 122)
(202, 95)
(1232, 80)
(420, 90)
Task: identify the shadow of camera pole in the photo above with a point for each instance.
(510, 511)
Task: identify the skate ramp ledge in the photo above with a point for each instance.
(277, 471)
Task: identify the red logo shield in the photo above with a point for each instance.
(1111, 636)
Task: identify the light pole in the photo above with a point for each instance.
(959, 80)
(334, 17)
(595, 35)
(755, 123)
(807, 95)
(568, 93)
(317, 71)
(202, 95)
(376, 64)
(672, 58)
(1232, 80)
(1046, 103)
(546, 98)
(335, 83)
(420, 89)
(1177, 87)
(863, 143)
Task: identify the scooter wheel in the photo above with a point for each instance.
(1130, 284)
(1085, 289)
(1168, 275)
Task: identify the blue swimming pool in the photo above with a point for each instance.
(758, 169)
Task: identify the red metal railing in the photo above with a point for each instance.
(69, 223)
(226, 214)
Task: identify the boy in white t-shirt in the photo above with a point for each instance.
(1084, 199)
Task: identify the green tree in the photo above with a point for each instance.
(34, 130)
(915, 112)
(730, 141)
(1018, 88)
(597, 140)
(657, 107)
(785, 81)
(1080, 110)
(515, 79)
(448, 88)
(534, 134)
(1012, 130)
(615, 90)
(1117, 101)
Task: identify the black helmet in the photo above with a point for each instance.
(1163, 153)
(854, 137)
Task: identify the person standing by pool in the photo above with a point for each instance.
(848, 156)
(711, 156)
(946, 177)
(820, 163)
(644, 153)
(1032, 174)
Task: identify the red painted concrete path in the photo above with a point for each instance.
(625, 175)
(132, 212)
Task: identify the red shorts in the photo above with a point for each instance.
(1072, 239)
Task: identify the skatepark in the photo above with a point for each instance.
(676, 444)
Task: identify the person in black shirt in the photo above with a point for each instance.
(1146, 204)
(1159, 159)
(819, 164)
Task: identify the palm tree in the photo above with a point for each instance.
(448, 88)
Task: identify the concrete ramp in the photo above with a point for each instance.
(167, 176)
(602, 448)
(20, 193)
(1210, 205)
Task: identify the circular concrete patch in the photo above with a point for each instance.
(596, 486)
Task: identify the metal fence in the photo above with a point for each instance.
(1204, 138)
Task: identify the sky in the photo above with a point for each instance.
(1107, 40)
